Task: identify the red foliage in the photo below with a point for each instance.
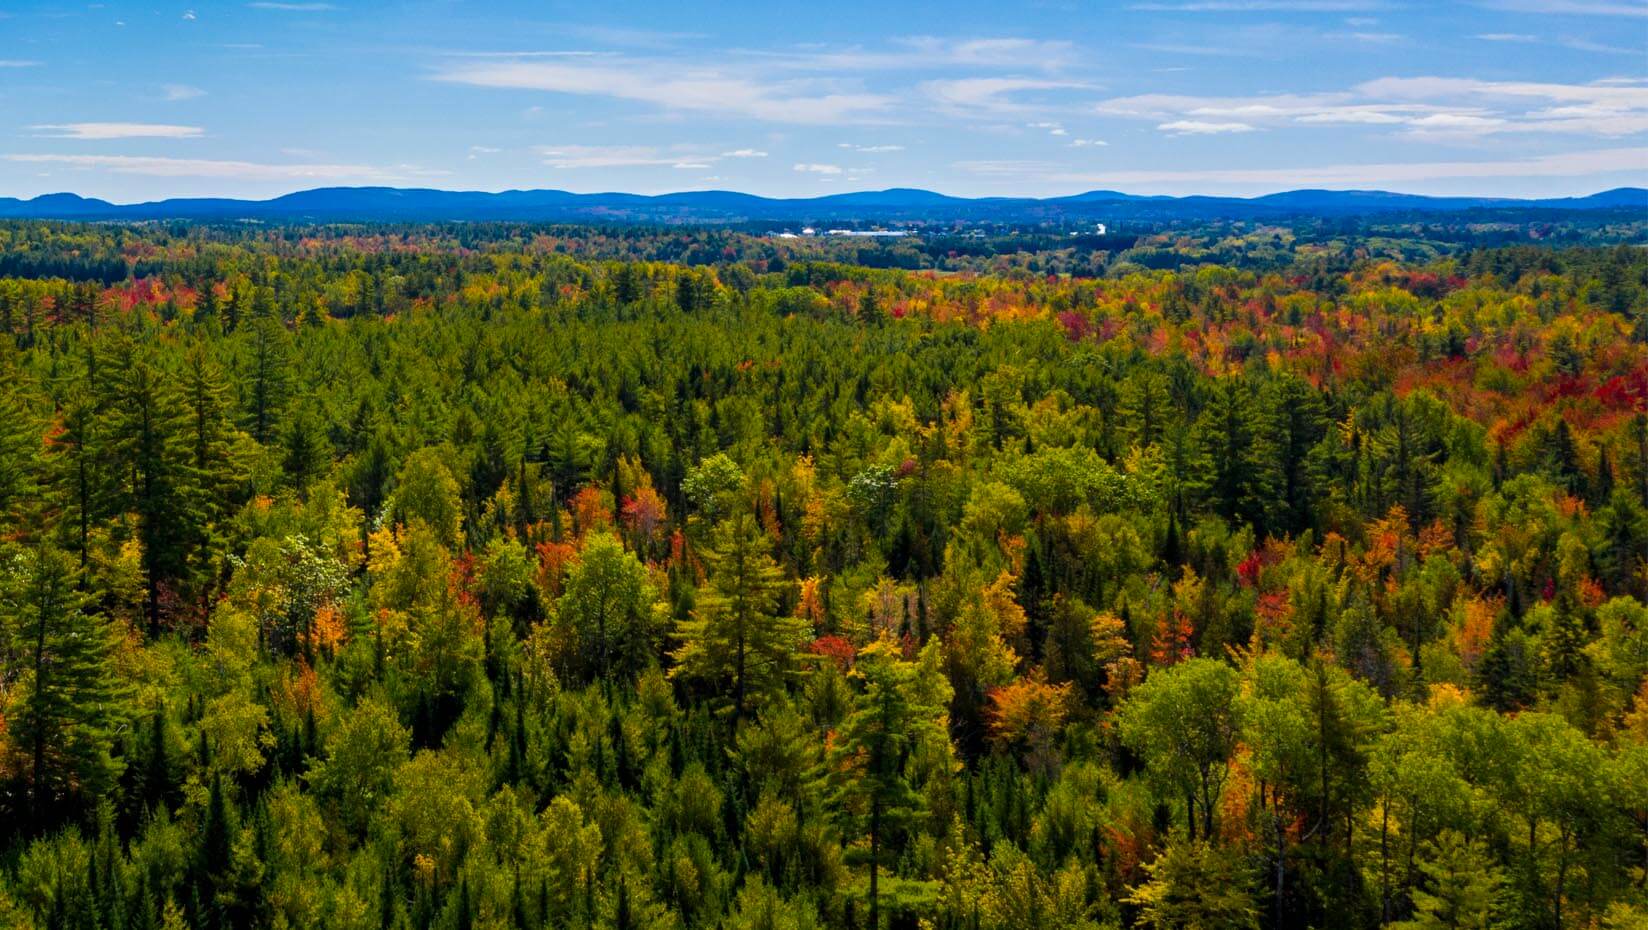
(836, 649)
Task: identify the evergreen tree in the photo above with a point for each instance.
(899, 705)
(734, 640)
(158, 480)
(69, 701)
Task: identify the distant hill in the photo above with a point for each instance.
(902, 205)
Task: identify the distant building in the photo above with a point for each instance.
(869, 233)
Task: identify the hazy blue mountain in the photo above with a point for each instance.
(895, 205)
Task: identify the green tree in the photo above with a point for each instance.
(362, 757)
(609, 611)
(899, 706)
(1195, 885)
(734, 638)
(70, 699)
(1183, 719)
(158, 480)
(267, 369)
(426, 491)
(1463, 887)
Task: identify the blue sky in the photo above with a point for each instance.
(141, 100)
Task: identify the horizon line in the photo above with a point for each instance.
(1641, 186)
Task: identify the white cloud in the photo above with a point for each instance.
(1609, 110)
(101, 131)
(818, 169)
(1196, 127)
(1570, 7)
(869, 149)
(671, 86)
(182, 92)
(1087, 143)
(990, 95)
(607, 156)
(920, 53)
(1430, 107)
(18, 63)
(292, 7)
(1506, 37)
(211, 168)
(631, 156)
(1570, 165)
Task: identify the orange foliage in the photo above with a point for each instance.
(554, 558)
(327, 631)
(1027, 710)
(591, 510)
(1472, 629)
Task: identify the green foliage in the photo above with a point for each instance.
(517, 577)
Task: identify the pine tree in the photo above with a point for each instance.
(1463, 887)
(733, 639)
(19, 437)
(901, 704)
(69, 702)
(267, 371)
(158, 480)
(77, 469)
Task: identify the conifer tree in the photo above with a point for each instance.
(900, 705)
(70, 699)
(734, 639)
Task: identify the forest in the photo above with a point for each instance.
(509, 577)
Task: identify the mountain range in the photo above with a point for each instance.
(902, 205)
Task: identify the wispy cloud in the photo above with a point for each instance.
(1196, 127)
(18, 63)
(671, 87)
(1573, 42)
(992, 96)
(1570, 165)
(1570, 7)
(631, 156)
(1189, 48)
(926, 53)
(614, 156)
(1433, 107)
(176, 92)
(103, 131)
(869, 149)
(814, 168)
(800, 85)
(220, 169)
(292, 7)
